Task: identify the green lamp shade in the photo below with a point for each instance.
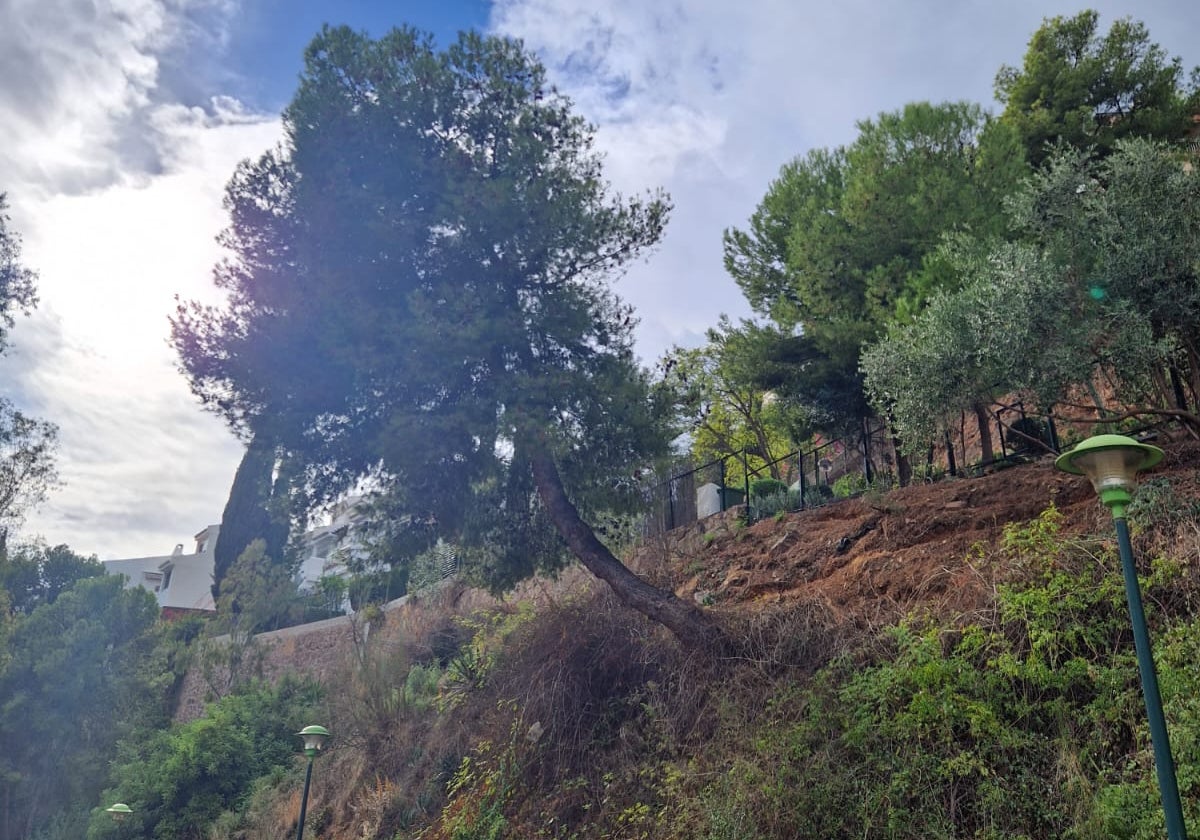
(314, 737)
(1111, 462)
(119, 811)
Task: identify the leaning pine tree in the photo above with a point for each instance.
(417, 293)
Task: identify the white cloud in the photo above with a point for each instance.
(140, 461)
(115, 156)
(115, 184)
(79, 79)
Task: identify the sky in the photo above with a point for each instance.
(123, 120)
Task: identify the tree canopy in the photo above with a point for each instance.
(417, 293)
(1103, 287)
(1088, 89)
(18, 283)
(76, 676)
(720, 402)
(258, 508)
(846, 240)
(27, 445)
(34, 574)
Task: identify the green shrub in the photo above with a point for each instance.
(180, 780)
(850, 484)
(775, 504)
(763, 487)
(817, 496)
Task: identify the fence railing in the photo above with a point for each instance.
(809, 474)
(672, 502)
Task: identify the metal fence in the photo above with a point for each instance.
(671, 502)
(809, 474)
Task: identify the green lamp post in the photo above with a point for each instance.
(1111, 463)
(314, 738)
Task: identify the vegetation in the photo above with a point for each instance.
(418, 303)
(27, 445)
(1108, 243)
(178, 781)
(259, 508)
(78, 672)
(1086, 90)
(845, 240)
(418, 298)
(722, 402)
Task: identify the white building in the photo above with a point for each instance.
(180, 582)
(325, 550)
(183, 582)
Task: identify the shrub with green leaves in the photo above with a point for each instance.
(849, 485)
(1025, 723)
(762, 487)
(178, 781)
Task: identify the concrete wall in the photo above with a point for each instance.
(324, 650)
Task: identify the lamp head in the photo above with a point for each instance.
(314, 738)
(119, 811)
(1111, 463)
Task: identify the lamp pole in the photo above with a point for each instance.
(1112, 462)
(314, 738)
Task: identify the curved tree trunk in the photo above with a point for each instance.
(690, 626)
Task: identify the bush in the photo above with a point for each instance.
(179, 781)
(851, 484)
(763, 487)
(776, 503)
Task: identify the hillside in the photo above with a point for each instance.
(876, 557)
(909, 665)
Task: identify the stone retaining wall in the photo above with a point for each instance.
(324, 650)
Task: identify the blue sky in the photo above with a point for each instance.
(124, 119)
(267, 45)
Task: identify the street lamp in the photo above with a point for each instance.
(119, 812)
(1111, 463)
(314, 738)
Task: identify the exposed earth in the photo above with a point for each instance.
(873, 558)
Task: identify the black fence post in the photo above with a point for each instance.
(868, 473)
(723, 503)
(746, 472)
(803, 489)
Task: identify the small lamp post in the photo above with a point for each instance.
(1111, 463)
(119, 812)
(314, 738)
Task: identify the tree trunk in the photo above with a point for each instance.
(761, 436)
(690, 626)
(1181, 401)
(985, 432)
(953, 467)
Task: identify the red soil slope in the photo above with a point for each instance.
(873, 558)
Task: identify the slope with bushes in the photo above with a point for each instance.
(949, 660)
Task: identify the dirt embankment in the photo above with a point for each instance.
(873, 558)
